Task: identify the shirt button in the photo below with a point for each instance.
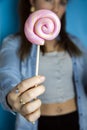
(81, 114)
(79, 97)
(77, 81)
(74, 63)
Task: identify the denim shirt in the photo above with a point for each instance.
(13, 71)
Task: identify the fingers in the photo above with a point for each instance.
(31, 111)
(21, 96)
(30, 107)
(34, 116)
(31, 94)
(28, 83)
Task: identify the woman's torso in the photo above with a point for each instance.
(59, 97)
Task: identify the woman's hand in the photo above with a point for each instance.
(23, 98)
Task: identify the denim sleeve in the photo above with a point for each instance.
(9, 68)
(84, 79)
(83, 48)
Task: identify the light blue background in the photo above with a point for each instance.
(77, 19)
(76, 24)
(8, 17)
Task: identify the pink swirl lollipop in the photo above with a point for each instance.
(42, 25)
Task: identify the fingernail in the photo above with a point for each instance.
(42, 78)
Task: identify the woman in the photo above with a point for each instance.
(63, 104)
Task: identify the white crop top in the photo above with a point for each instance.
(57, 68)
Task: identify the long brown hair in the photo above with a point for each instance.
(25, 48)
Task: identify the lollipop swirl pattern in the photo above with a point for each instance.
(42, 25)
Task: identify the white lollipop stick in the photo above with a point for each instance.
(37, 60)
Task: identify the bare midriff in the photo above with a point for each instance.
(59, 108)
